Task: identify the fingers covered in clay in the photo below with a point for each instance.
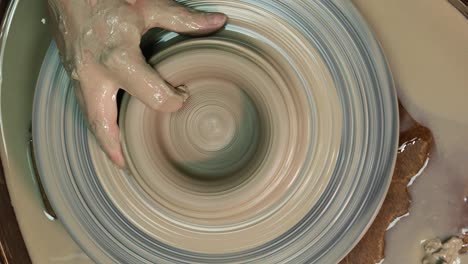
(139, 79)
(99, 47)
(172, 16)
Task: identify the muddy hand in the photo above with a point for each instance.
(99, 42)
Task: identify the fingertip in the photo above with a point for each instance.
(210, 22)
(117, 158)
(108, 137)
(173, 103)
(216, 19)
(113, 150)
(199, 23)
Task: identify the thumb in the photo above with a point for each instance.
(175, 17)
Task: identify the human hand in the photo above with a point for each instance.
(99, 42)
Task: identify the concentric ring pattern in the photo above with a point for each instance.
(282, 154)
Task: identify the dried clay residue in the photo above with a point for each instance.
(464, 249)
(442, 252)
(415, 145)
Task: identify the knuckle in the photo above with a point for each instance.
(114, 56)
(156, 100)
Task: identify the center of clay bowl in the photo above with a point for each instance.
(215, 134)
(215, 128)
(235, 153)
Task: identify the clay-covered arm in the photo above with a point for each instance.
(99, 42)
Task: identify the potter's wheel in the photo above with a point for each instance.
(282, 154)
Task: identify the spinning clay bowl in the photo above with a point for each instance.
(282, 154)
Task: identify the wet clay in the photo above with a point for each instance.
(229, 164)
(438, 252)
(425, 44)
(464, 248)
(416, 142)
(415, 145)
(99, 47)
